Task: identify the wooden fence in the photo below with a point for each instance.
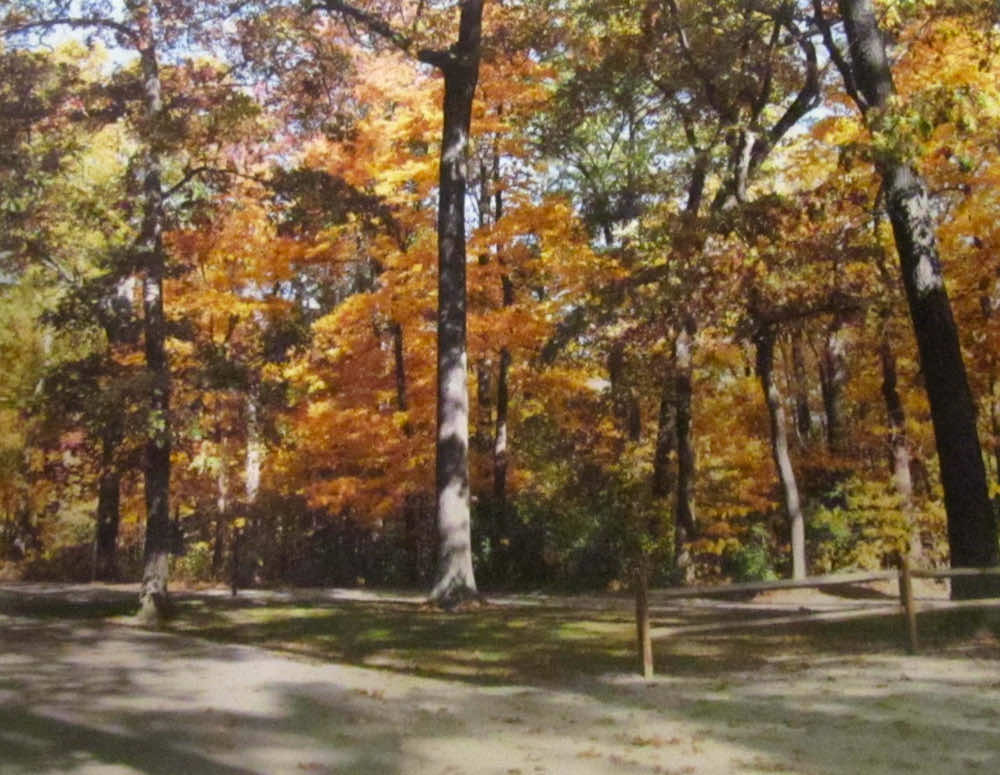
(908, 605)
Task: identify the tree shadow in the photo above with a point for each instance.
(77, 697)
(79, 693)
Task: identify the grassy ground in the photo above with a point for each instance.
(512, 643)
(525, 685)
(524, 642)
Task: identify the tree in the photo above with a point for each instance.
(972, 532)
(459, 64)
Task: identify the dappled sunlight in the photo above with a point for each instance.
(384, 685)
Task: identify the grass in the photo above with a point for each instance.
(531, 644)
(553, 645)
(490, 645)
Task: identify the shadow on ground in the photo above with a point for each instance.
(526, 689)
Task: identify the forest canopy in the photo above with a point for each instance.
(496, 292)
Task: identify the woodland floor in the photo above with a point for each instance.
(337, 681)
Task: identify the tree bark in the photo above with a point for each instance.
(221, 502)
(412, 510)
(833, 375)
(501, 522)
(108, 500)
(254, 462)
(685, 523)
(666, 436)
(995, 427)
(803, 416)
(153, 598)
(483, 436)
(972, 531)
(764, 342)
(455, 581)
(899, 448)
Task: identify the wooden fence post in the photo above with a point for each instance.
(909, 606)
(645, 642)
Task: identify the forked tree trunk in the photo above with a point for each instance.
(118, 318)
(455, 581)
(153, 599)
(764, 341)
(972, 531)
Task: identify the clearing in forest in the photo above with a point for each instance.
(346, 682)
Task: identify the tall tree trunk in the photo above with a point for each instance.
(221, 503)
(666, 436)
(455, 581)
(684, 515)
(484, 406)
(995, 426)
(899, 447)
(501, 521)
(624, 400)
(972, 531)
(803, 416)
(412, 511)
(764, 341)
(833, 375)
(252, 465)
(153, 599)
(108, 500)
(254, 462)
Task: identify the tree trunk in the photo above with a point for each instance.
(684, 514)
(222, 514)
(624, 400)
(501, 522)
(833, 375)
(764, 341)
(972, 531)
(455, 581)
(254, 461)
(412, 510)
(108, 501)
(153, 599)
(484, 406)
(899, 448)
(995, 428)
(803, 416)
(666, 436)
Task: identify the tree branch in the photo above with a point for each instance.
(370, 21)
(837, 56)
(205, 169)
(74, 21)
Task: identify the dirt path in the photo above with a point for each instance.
(80, 698)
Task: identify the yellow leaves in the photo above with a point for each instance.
(838, 130)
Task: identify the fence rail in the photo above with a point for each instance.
(908, 604)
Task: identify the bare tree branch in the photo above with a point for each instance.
(73, 21)
(837, 56)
